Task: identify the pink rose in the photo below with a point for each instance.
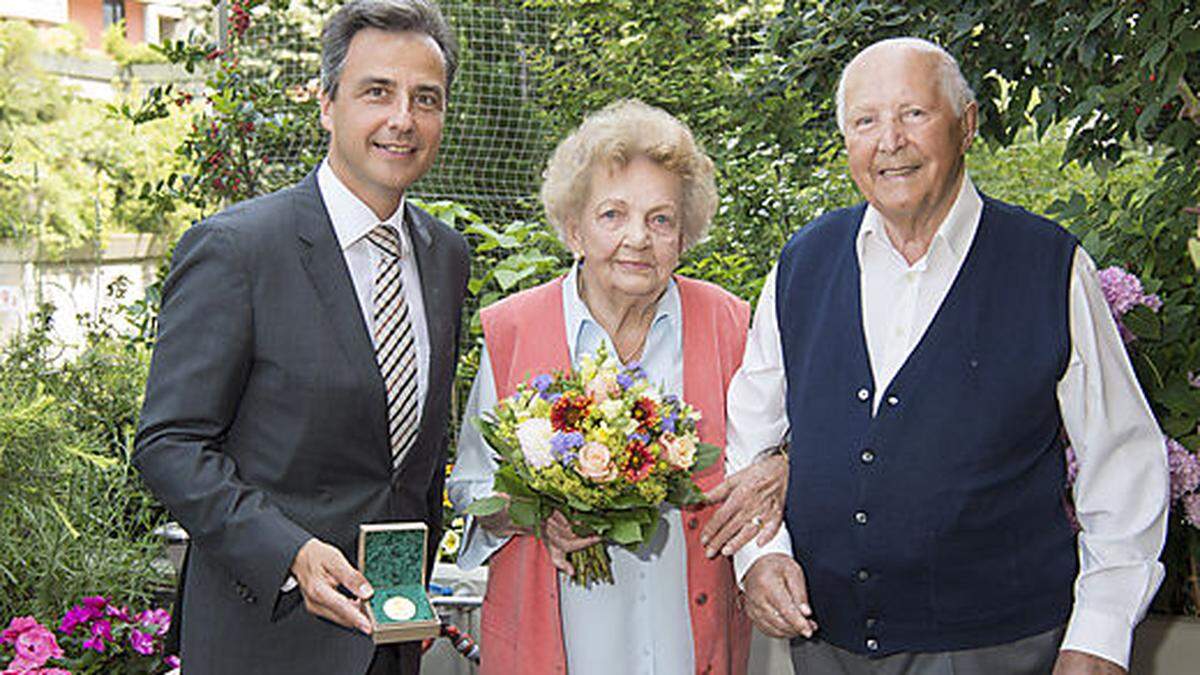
(602, 387)
(681, 450)
(595, 462)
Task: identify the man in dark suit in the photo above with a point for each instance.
(301, 380)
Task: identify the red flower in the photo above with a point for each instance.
(639, 461)
(645, 412)
(568, 411)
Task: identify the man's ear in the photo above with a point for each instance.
(970, 125)
(326, 112)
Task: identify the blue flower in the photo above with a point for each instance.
(561, 445)
(668, 423)
(542, 384)
(639, 436)
(624, 380)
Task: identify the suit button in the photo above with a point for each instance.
(862, 575)
(864, 394)
(860, 517)
(693, 523)
(871, 621)
(893, 401)
(873, 644)
(867, 456)
(701, 598)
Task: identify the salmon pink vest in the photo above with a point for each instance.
(521, 630)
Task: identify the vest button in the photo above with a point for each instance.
(701, 598)
(862, 575)
(693, 523)
(871, 621)
(873, 644)
(860, 517)
(893, 401)
(864, 394)
(867, 456)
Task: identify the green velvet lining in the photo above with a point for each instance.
(394, 557)
(415, 593)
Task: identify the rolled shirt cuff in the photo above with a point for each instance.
(748, 554)
(1099, 634)
(477, 545)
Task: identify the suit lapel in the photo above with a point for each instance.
(325, 264)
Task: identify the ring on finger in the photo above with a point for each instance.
(757, 521)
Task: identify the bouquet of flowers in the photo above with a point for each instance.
(601, 445)
(95, 636)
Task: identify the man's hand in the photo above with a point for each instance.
(561, 539)
(777, 597)
(753, 506)
(1071, 662)
(319, 568)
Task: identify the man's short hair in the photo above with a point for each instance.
(950, 78)
(393, 16)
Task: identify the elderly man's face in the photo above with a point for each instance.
(904, 142)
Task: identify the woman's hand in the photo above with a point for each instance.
(500, 524)
(561, 539)
(753, 506)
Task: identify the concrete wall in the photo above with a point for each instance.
(74, 283)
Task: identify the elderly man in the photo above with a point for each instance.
(300, 385)
(928, 349)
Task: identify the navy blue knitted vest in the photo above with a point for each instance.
(938, 524)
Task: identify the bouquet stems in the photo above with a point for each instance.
(592, 565)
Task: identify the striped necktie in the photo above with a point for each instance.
(395, 344)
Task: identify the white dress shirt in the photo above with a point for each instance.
(352, 220)
(645, 611)
(1121, 492)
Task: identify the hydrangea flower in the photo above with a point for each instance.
(1123, 291)
(1191, 508)
(1185, 469)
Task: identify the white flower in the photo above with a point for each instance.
(534, 436)
(612, 409)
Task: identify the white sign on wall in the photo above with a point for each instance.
(10, 299)
(52, 11)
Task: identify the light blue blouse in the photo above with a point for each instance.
(641, 623)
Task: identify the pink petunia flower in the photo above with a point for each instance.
(142, 643)
(172, 661)
(1185, 469)
(101, 631)
(157, 620)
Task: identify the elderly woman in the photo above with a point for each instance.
(628, 191)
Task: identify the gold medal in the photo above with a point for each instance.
(399, 608)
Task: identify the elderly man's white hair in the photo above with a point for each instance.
(950, 78)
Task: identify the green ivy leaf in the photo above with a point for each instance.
(1143, 322)
(487, 506)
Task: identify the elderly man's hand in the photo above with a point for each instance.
(753, 506)
(500, 523)
(1071, 662)
(777, 597)
(319, 569)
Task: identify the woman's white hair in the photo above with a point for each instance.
(950, 78)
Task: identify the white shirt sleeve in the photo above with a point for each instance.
(474, 469)
(1123, 485)
(756, 411)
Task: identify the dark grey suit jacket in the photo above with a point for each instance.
(265, 423)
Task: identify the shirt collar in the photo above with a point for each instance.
(352, 219)
(578, 317)
(957, 231)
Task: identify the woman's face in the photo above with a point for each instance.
(629, 232)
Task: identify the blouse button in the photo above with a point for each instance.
(864, 394)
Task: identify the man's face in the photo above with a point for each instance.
(905, 144)
(385, 124)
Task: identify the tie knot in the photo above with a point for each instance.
(385, 238)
